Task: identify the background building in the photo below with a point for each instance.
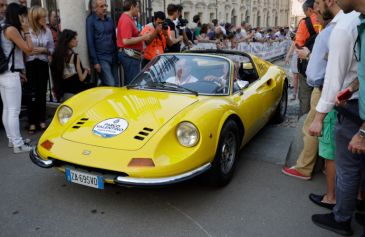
(296, 12)
(263, 13)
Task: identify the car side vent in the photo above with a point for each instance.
(143, 134)
(81, 122)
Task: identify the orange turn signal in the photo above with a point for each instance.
(141, 162)
(47, 144)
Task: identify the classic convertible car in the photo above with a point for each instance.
(183, 115)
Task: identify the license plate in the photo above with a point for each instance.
(86, 179)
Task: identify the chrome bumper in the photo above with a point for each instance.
(36, 159)
(128, 181)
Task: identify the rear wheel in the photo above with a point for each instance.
(280, 112)
(226, 155)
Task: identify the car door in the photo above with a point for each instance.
(250, 109)
(266, 87)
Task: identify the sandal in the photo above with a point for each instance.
(32, 129)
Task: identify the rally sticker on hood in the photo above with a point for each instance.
(110, 127)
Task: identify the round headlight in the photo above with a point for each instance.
(64, 114)
(187, 134)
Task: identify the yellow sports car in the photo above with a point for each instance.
(183, 115)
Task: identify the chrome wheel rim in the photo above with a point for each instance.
(283, 103)
(228, 152)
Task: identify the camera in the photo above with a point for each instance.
(165, 26)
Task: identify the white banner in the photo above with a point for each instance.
(267, 51)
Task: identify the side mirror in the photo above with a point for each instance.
(242, 84)
(247, 66)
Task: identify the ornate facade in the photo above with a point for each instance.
(256, 12)
(263, 13)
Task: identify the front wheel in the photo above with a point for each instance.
(226, 155)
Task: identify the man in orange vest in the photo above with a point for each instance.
(158, 31)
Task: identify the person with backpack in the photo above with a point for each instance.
(308, 29)
(13, 45)
(316, 72)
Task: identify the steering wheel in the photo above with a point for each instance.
(221, 89)
(203, 86)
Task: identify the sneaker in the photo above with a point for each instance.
(317, 199)
(294, 173)
(23, 148)
(328, 222)
(26, 141)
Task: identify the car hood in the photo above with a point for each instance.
(126, 121)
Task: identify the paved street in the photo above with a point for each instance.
(260, 200)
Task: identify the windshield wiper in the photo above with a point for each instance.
(169, 84)
(163, 85)
(133, 86)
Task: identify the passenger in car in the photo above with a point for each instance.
(183, 74)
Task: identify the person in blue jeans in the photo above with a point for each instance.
(130, 43)
(101, 42)
(357, 143)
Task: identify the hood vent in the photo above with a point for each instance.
(143, 134)
(81, 122)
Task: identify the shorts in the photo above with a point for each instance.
(327, 141)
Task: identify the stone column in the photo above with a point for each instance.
(73, 16)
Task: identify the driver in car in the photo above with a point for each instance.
(183, 74)
(219, 79)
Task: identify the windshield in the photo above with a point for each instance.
(196, 74)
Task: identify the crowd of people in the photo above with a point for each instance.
(330, 74)
(326, 62)
(109, 46)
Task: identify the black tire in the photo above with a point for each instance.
(280, 111)
(226, 155)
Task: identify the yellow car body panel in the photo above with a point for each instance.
(75, 143)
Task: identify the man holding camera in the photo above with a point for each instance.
(159, 37)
